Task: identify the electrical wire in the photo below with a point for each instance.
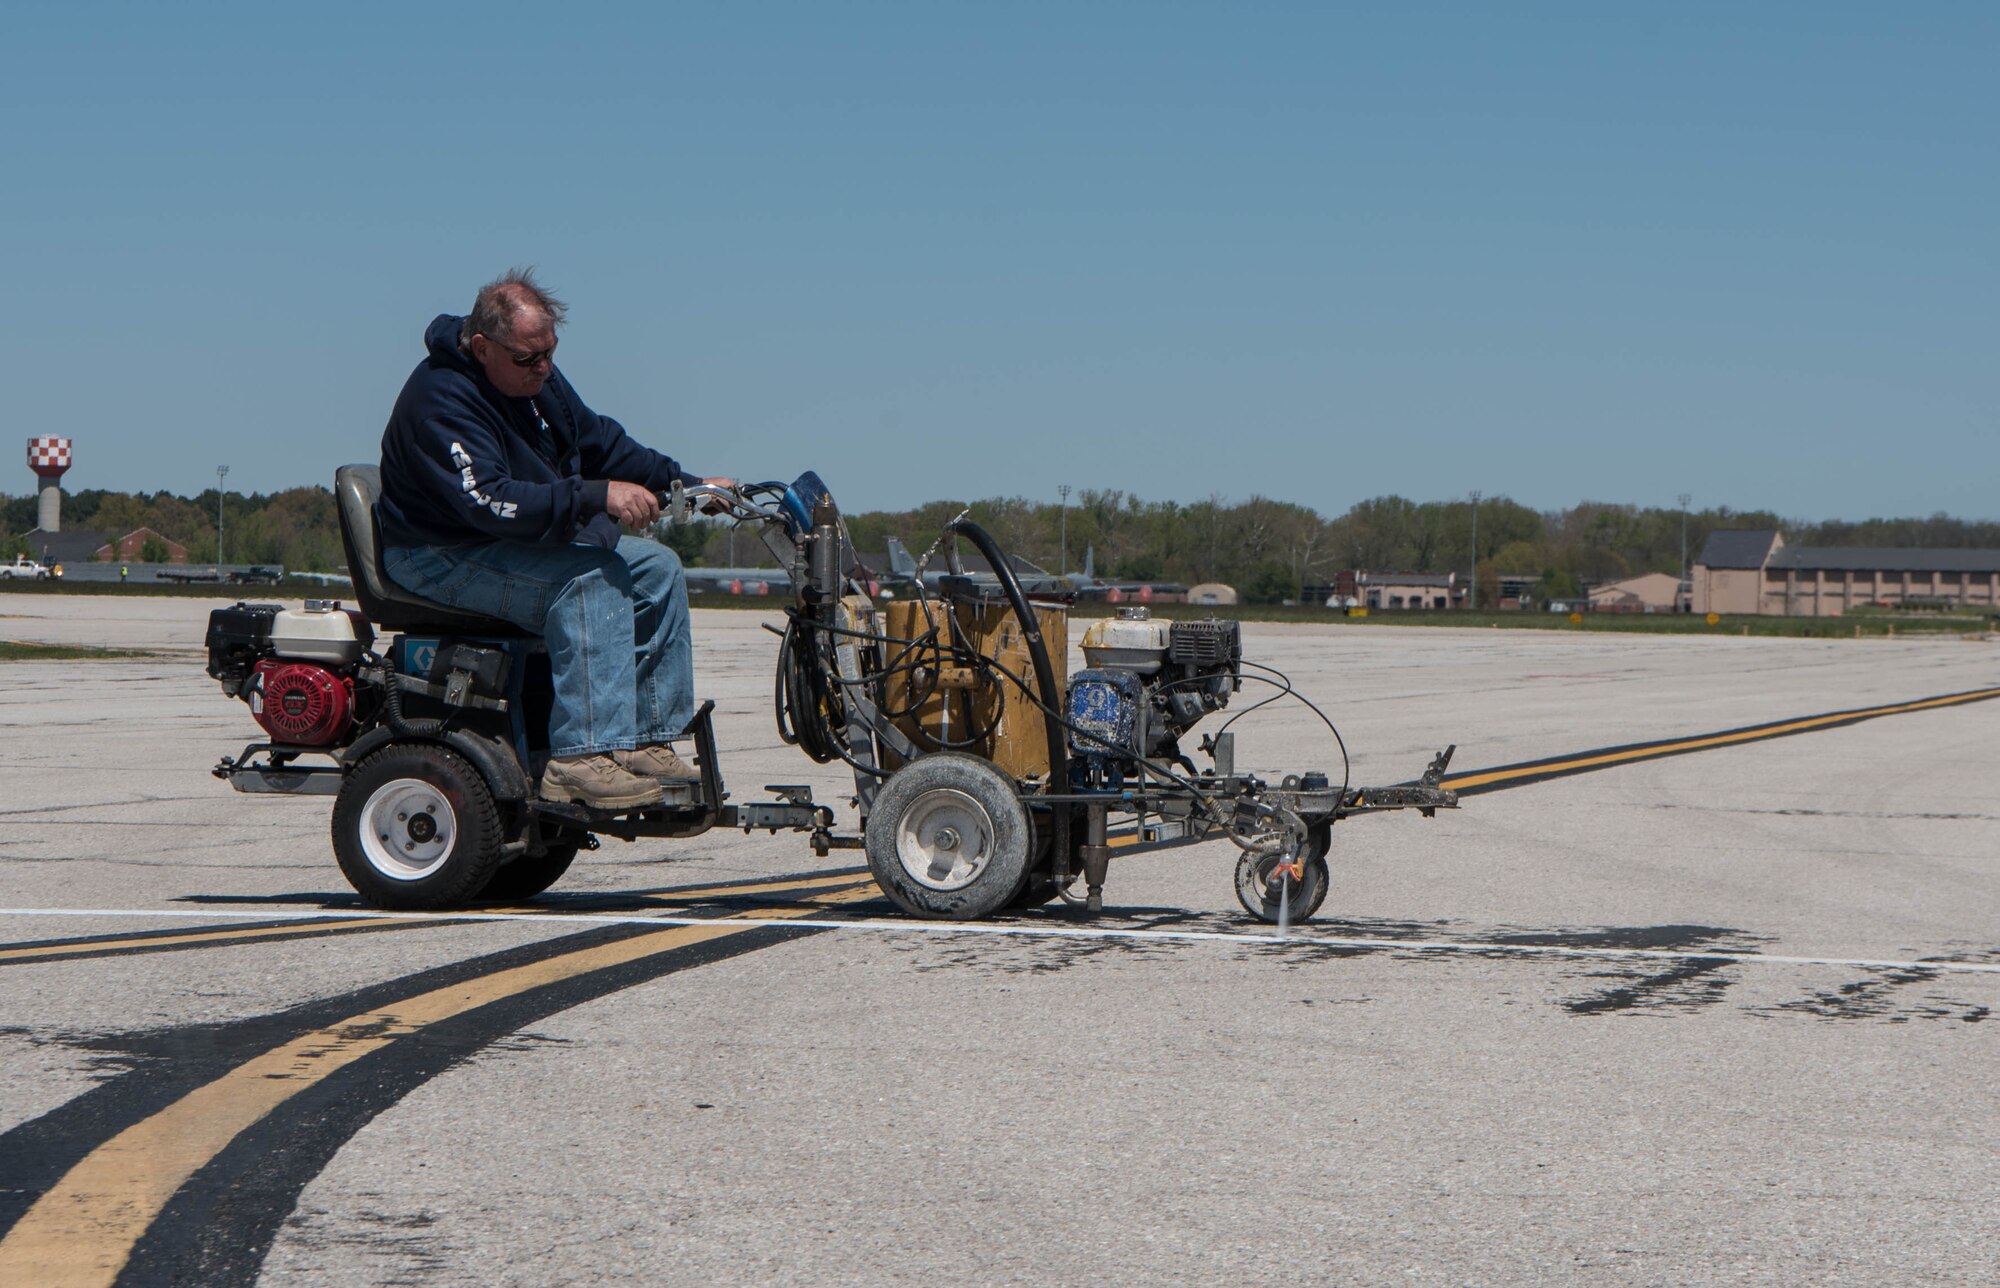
(1285, 688)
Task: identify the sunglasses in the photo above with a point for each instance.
(523, 357)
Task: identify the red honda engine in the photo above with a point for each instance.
(301, 703)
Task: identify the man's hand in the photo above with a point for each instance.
(715, 505)
(632, 505)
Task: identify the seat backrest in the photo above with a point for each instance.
(356, 489)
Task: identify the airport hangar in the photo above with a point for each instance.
(1754, 571)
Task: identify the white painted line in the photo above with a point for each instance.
(1295, 939)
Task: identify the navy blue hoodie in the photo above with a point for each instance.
(463, 464)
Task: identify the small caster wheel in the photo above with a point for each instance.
(1260, 882)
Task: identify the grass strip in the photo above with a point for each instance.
(18, 651)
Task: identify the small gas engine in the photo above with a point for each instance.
(1147, 683)
(294, 667)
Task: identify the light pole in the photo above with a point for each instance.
(221, 473)
(1472, 586)
(1062, 490)
(1685, 498)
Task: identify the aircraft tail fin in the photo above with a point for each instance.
(901, 562)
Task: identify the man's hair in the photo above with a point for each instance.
(502, 301)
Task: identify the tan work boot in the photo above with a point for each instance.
(658, 761)
(598, 781)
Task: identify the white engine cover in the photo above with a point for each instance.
(1136, 644)
(321, 632)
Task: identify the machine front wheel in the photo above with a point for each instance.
(414, 827)
(1259, 883)
(948, 837)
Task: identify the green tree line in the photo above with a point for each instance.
(1268, 549)
(297, 527)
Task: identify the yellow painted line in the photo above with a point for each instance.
(1712, 740)
(811, 883)
(81, 1233)
(775, 887)
(28, 952)
(224, 934)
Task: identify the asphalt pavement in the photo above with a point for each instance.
(1723, 1016)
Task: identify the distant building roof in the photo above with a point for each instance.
(1653, 589)
(133, 544)
(64, 547)
(1876, 559)
(1738, 548)
(1211, 592)
(1407, 578)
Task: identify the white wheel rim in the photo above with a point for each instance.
(407, 829)
(945, 839)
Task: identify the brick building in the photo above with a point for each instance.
(1754, 571)
(132, 543)
(1391, 590)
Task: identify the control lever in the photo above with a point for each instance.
(675, 504)
(679, 503)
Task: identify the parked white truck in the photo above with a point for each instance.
(23, 569)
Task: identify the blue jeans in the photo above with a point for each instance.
(616, 623)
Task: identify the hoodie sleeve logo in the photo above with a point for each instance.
(470, 485)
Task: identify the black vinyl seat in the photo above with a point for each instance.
(356, 488)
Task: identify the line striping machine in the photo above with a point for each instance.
(987, 776)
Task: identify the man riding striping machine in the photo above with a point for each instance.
(987, 776)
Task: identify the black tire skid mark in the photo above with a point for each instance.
(555, 901)
(219, 1226)
(1682, 987)
(1881, 996)
(161, 1066)
(122, 945)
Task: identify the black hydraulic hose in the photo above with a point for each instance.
(392, 711)
(1045, 676)
(802, 698)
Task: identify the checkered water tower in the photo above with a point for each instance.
(48, 457)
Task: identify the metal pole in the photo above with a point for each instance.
(1472, 587)
(1685, 498)
(221, 473)
(1063, 490)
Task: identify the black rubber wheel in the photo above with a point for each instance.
(414, 827)
(527, 876)
(949, 838)
(1258, 882)
(1039, 885)
(1039, 888)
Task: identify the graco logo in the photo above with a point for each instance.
(418, 656)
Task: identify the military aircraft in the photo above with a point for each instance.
(902, 574)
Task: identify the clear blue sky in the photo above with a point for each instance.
(1319, 252)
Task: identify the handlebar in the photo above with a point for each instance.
(678, 502)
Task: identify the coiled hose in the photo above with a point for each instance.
(1045, 680)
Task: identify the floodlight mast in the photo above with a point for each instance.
(1685, 498)
(1472, 586)
(1062, 489)
(221, 473)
